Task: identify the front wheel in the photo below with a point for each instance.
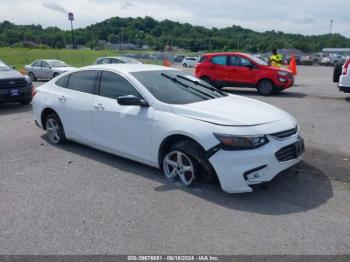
(55, 74)
(184, 65)
(26, 101)
(54, 129)
(187, 160)
(265, 87)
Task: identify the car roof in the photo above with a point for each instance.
(225, 53)
(129, 68)
(47, 60)
(118, 57)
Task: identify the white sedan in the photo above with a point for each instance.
(168, 119)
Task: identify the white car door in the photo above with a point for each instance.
(124, 130)
(74, 103)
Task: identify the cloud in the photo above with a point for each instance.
(55, 7)
(297, 16)
(127, 4)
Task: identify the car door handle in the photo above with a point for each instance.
(62, 98)
(99, 107)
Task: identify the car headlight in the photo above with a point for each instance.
(282, 73)
(231, 142)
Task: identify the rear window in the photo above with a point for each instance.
(63, 81)
(203, 59)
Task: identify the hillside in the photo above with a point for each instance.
(157, 34)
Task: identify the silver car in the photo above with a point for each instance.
(46, 69)
(116, 60)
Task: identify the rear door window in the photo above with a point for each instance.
(219, 60)
(113, 86)
(84, 81)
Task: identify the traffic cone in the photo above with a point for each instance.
(293, 65)
(166, 62)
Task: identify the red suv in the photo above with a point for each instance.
(242, 70)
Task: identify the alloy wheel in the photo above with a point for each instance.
(177, 163)
(53, 130)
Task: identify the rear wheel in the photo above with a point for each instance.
(265, 87)
(337, 72)
(54, 129)
(32, 76)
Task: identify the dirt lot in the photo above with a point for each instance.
(73, 199)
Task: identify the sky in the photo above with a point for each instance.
(298, 16)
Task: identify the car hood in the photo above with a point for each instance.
(64, 68)
(232, 110)
(10, 74)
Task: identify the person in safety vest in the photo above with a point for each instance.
(276, 59)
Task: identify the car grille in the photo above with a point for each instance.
(12, 83)
(285, 134)
(290, 152)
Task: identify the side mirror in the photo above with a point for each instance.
(131, 101)
(13, 67)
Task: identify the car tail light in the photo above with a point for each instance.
(33, 91)
(346, 67)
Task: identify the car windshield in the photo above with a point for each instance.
(257, 60)
(177, 87)
(57, 63)
(4, 67)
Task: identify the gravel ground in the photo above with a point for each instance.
(72, 199)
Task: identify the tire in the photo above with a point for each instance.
(55, 74)
(337, 71)
(54, 129)
(266, 87)
(192, 159)
(32, 76)
(184, 65)
(26, 101)
(207, 80)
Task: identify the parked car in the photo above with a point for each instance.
(14, 87)
(190, 61)
(332, 60)
(116, 60)
(168, 119)
(341, 75)
(46, 69)
(235, 69)
(179, 58)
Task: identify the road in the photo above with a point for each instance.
(72, 199)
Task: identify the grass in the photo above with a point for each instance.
(19, 57)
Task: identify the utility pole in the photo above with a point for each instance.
(71, 19)
(331, 26)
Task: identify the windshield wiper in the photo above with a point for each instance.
(200, 84)
(174, 79)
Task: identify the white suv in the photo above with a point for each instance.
(344, 80)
